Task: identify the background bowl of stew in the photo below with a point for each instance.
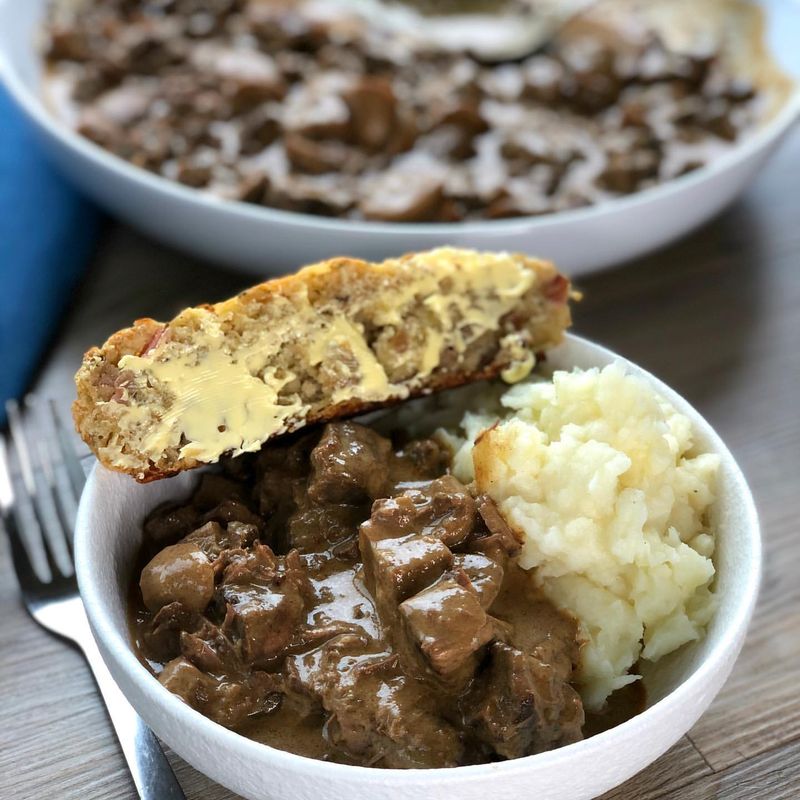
(679, 687)
(265, 240)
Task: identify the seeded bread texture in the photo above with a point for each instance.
(335, 339)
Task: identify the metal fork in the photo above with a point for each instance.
(39, 499)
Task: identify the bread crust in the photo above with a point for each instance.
(104, 395)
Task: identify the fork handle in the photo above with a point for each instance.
(150, 770)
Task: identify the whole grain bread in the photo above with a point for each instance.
(334, 339)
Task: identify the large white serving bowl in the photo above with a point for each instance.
(680, 687)
(268, 241)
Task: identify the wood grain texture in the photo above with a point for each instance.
(679, 767)
(717, 316)
(774, 775)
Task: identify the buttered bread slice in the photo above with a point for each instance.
(334, 339)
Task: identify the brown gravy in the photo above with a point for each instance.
(397, 631)
(285, 730)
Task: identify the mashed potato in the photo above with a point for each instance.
(596, 472)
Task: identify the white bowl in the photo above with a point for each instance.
(265, 240)
(680, 687)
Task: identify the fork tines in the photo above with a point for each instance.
(40, 484)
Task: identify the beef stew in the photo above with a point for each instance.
(276, 104)
(341, 596)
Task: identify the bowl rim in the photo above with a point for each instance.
(46, 121)
(117, 650)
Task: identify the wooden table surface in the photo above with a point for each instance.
(716, 316)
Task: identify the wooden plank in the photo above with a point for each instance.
(197, 786)
(774, 775)
(758, 709)
(680, 766)
(55, 738)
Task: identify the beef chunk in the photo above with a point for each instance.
(184, 572)
(256, 565)
(238, 535)
(201, 653)
(381, 713)
(404, 194)
(313, 672)
(265, 620)
(314, 528)
(316, 108)
(373, 116)
(499, 541)
(215, 489)
(169, 523)
(212, 539)
(349, 465)
(267, 598)
(419, 460)
(179, 573)
(375, 713)
(176, 630)
(444, 509)
(247, 76)
(519, 705)
(497, 525)
(228, 702)
(161, 635)
(485, 575)
(232, 510)
(448, 626)
(281, 472)
(281, 469)
(395, 569)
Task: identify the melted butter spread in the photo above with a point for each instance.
(522, 361)
(220, 402)
(341, 335)
(219, 382)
